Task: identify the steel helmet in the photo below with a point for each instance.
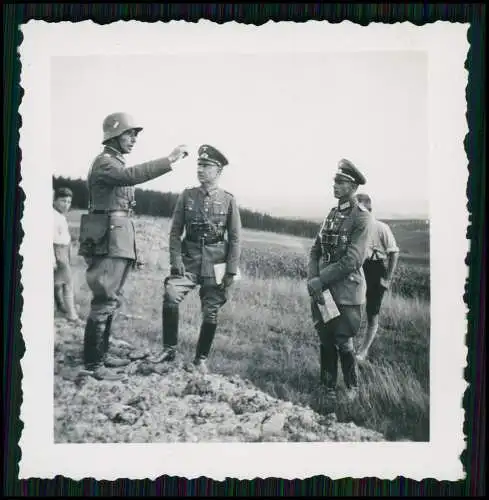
(116, 124)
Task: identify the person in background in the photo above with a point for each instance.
(206, 213)
(379, 267)
(107, 233)
(335, 264)
(64, 298)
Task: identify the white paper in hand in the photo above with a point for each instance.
(329, 310)
(220, 271)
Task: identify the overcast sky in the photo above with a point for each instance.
(283, 121)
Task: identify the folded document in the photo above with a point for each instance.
(329, 309)
(220, 271)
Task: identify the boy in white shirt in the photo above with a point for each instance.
(379, 267)
(63, 280)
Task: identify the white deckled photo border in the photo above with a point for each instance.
(447, 47)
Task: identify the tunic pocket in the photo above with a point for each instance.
(94, 235)
(122, 238)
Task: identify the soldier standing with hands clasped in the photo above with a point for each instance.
(205, 213)
(107, 233)
(335, 264)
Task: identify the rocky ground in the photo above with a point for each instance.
(170, 403)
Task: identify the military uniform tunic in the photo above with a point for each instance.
(336, 257)
(204, 219)
(111, 191)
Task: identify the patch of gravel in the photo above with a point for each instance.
(168, 403)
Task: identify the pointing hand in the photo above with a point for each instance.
(179, 153)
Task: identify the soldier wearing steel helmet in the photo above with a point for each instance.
(107, 233)
(335, 263)
(209, 217)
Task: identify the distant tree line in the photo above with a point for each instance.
(160, 204)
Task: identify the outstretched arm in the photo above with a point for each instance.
(110, 171)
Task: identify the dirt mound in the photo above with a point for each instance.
(170, 403)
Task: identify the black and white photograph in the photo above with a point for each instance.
(257, 249)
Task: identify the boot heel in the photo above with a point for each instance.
(349, 369)
(93, 349)
(204, 344)
(170, 320)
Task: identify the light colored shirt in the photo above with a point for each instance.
(61, 234)
(382, 242)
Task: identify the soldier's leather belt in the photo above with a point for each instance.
(206, 239)
(116, 213)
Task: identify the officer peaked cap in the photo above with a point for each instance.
(212, 156)
(348, 171)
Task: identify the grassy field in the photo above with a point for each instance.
(265, 332)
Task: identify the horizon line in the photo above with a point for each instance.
(305, 218)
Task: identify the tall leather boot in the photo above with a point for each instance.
(204, 343)
(328, 360)
(93, 344)
(170, 320)
(108, 326)
(349, 369)
(109, 360)
(328, 368)
(93, 350)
